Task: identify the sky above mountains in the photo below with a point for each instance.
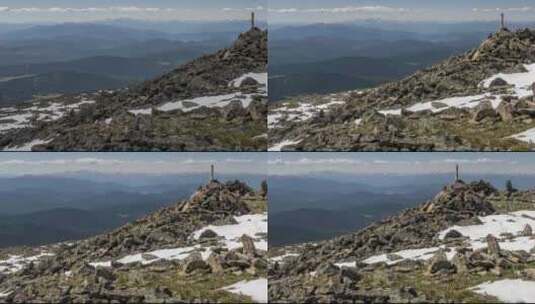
(15, 164)
(20, 11)
(400, 163)
(311, 11)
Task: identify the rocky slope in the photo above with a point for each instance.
(458, 247)
(209, 248)
(217, 102)
(479, 100)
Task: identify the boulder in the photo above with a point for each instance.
(498, 82)
(527, 231)
(208, 234)
(493, 247)
(249, 81)
(440, 264)
(484, 110)
(505, 110)
(453, 234)
(248, 245)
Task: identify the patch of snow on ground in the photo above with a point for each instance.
(508, 291)
(278, 147)
(16, 262)
(27, 146)
(48, 112)
(391, 112)
(261, 78)
(141, 111)
(303, 112)
(422, 254)
(161, 254)
(519, 243)
(526, 136)
(495, 224)
(251, 225)
(346, 264)
(4, 294)
(522, 81)
(280, 258)
(256, 289)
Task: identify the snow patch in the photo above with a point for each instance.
(261, 78)
(280, 258)
(147, 111)
(278, 147)
(526, 136)
(161, 254)
(303, 112)
(16, 262)
(496, 225)
(422, 254)
(251, 225)
(256, 289)
(508, 291)
(521, 81)
(27, 146)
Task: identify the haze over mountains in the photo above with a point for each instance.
(316, 208)
(82, 204)
(43, 59)
(327, 58)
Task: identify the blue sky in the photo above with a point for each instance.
(88, 10)
(400, 10)
(400, 163)
(124, 163)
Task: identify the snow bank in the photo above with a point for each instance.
(526, 136)
(422, 254)
(161, 254)
(256, 289)
(303, 112)
(522, 81)
(496, 224)
(147, 111)
(280, 258)
(278, 147)
(508, 291)
(251, 225)
(16, 262)
(261, 78)
(27, 146)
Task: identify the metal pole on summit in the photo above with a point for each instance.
(252, 20)
(503, 21)
(212, 173)
(457, 172)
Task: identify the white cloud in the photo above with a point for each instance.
(510, 9)
(342, 10)
(17, 166)
(248, 9)
(111, 9)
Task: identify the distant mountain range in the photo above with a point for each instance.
(210, 247)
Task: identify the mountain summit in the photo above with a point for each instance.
(216, 102)
(440, 251)
(208, 248)
(482, 99)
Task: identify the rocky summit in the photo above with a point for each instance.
(209, 248)
(471, 243)
(480, 100)
(214, 103)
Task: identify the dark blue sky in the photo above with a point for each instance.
(417, 10)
